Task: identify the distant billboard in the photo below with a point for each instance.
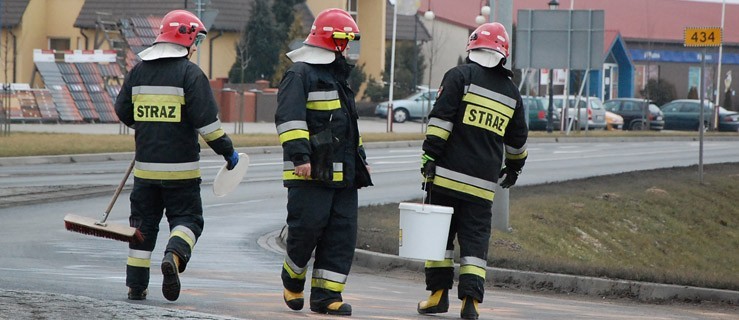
(559, 39)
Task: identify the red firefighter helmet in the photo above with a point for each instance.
(490, 36)
(180, 27)
(332, 30)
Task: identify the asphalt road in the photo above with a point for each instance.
(48, 271)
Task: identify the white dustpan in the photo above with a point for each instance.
(227, 180)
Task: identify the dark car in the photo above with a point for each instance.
(537, 108)
(684, 114)
(635, 117)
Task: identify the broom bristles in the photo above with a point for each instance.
(88, 226)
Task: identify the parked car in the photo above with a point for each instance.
(614, 121)
(592, 114)
(635, 117)
(538, 109)
(684, 114)
(415, 106)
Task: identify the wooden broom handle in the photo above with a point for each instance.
(117, 192)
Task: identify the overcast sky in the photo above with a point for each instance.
(719, 1)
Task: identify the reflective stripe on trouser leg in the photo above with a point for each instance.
(184, 211)
(147, 208)
(335, 248)
(473, 235)
(440, 274)
(137, 269)
(307, 215)
(293, 276)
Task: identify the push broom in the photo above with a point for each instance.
(100, 228)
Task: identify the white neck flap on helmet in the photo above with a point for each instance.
(312, 55)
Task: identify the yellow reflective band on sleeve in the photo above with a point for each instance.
(438, 132)
(293, 274)
(474, 270)
(360, 141)
(138, 262)
(446, 263)
(517, 156)
(323, 105)
(464, 188)
(166, 175)
(183, 236)
(214, 135)
(290, 175)
(327, 284)
(293, 134)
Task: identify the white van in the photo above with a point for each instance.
(592, 114)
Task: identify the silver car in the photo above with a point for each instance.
(415, 106)
(592, 114)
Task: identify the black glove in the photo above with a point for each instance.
(231, 160)
(510, 177)
(428, 166)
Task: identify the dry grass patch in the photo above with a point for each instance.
(658, 226)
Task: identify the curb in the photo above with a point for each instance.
(554, 282)
(563, 283)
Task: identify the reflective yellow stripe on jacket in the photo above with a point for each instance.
(288, 172)
(167, 171)
(439, 128)
(292, 130)
(488, 109)
(464, 183)
(157, 103)
(323, 100)
(212, 131)
(516, 153)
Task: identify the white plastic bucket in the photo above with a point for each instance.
(424, 229)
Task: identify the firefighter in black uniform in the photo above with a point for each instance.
(168, 101)
(477, 123)
(324, 164)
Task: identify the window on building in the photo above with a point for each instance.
(352, 6)
(59, 43)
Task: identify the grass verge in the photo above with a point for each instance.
(657, 226)
(23, 144)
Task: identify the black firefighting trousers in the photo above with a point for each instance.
(471, 224)
(180, 201)
(324, 219)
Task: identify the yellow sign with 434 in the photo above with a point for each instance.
(703, 36)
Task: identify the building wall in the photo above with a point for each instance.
(371, 22)
(448, 45)
(45, 19)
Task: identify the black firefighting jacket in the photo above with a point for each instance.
(316, 120)
(477, 120)
(169, 102)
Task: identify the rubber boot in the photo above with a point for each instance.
(337, 308)
(438, 302)
(469, 308)
(137, 294)
(170, 271)
(293, 300)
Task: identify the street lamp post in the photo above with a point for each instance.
(553, 4)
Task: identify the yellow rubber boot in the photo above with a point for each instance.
(438, 302)
(469, 309)
(336, 308)
(170, 271)
(293, 300)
